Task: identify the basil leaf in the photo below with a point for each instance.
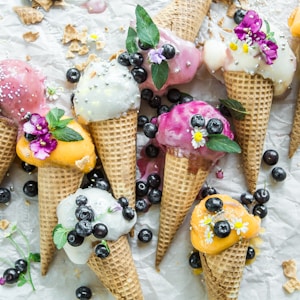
(63, 123)
(221, 143)
(34, 257)
(160, 73)
(147, 31)
(66, 134)
(131, 45)
(59, 236)
(53, 116)
(235, 107)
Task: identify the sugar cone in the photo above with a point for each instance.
(183, 17)
(255, 93)
(115, 141)
(183, 179)
(54, 184)
(223, 272)
(295, 133)
(8, 137)
(117, 272)
(28, 15)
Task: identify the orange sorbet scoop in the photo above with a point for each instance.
(294, 22)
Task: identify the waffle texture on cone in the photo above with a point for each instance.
(54, 184)
(184, 18)
(115, 141)
(255, 93)
(295, 133)
(117, 272)
(8, 136)
(174, 207)
(223, 272)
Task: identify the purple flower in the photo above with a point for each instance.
(37, 125)
(2, 281)
(43, 146)
(269, 50)
(156, 56)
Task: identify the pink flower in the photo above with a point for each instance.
(269, 50)
(2, 280)
(37, 125)
(156, 56)
(43, 146)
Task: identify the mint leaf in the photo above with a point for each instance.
(53, 116)
(235, 107)
(131, 46)
(66, 134)
(147, 31)
(21, 280)
(34, 257)
(160, 74)
(221, 143)
(59, 236)
(63, 123)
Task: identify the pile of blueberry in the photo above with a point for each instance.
(96, 178)
(11, 275)
(271, 157)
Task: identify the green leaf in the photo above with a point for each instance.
(147, 31)
(221, 143)
(21, 280)
(66, 134)
(59, 236)
(160, 73)
(34, 257)
(53, 116)
(63, 123)
(235, 107)
(131, 45)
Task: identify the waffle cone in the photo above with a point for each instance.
(255, 93)
(28, 15)
(54, 184)
(183, 179)
(8, 137)
(183, 17)
(223, 272)
(117, 272)
(115, 141)
(295, 133)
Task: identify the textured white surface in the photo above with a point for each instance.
(264, 278)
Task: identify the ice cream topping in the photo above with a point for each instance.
(106, 90)
(220, 221)
(88, 217)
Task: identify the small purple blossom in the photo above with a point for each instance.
(156, 56)
(115, 208)
(37, 125)
(2, 281)
(269, 49)
(43, 146)
(220, 174)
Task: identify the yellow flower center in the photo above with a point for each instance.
(245, 48)
(94, 36)
(233, 46)
(38, 127)
(238, 225)
(198, 136)
(42, 143)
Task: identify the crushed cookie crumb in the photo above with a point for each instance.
(290, 271)
(4, 224)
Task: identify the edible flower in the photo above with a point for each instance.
(198, 137)
(209, 235)
(156, 56)
(239, 226)
(37, 125)
(43, 146)
(53, 93)
(269, 49)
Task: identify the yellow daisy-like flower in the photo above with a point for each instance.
(209, 235)
(239, 226)
(206, 220)
(198, 137)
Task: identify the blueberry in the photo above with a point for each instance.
(27, 167)
(261, 196)
(84, 228)
(278, 174)
(271, 157)
(214, 204)
(162, 109)
(5, 195)
(123, 59)
(154, 196)
(102, 251)
(239, 16)
(73, 75)
(222, 229)
(174, 95)
(150, 130)
(152, 151)
(260, 210)
(30, 188)
(247, 198)
(208, 190)
(128, 213)
(143, 46)
(214, 126)
(21, 265)
(136, 59)
(123, 201)
(153, 180)
(145, 235)
(185, 98)
(194, 260)
(250, 253)
(197, 121)
(141, 188)
(83, 293)
(100, 230)
(139, 74)
(155, 102)
(147, 94)
(142, 120)
(11, 275)
(74, 239)
(141, 205)
(29, 137)
(95, 174)
(81, 200)
(168, 51)
(84, 212)
(102, 184)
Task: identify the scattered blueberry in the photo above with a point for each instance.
(208, 190)
(73, 75)
(21, 265)
(139, 74)
(102, 184)
(250, 253)
(100, 230)
(260, 210)
(271, 157)
(154, 180)
(101, 251)
(185, 98)
(81, 200)
(27, 167)
(29, 137)
(95, 174)
(152, 151)
(261, 195)
(150, 130)
(154, 196)
(168, 51)
(143, 46)
(30, 188)
(222, 229)
(123, 201)
(123, 59)
(278, 174)
(146, 94)
(142, 120)
(83, 293)
(197, 121)
(141, 188)
(5, 195)
(11, 275)
(84, 212)
(214, 126)
(174, 95)
(74, 239)
(239, 16)
(194, 260)
(162, 109)
(128, 213)
(141, 205)
(136, 59)
(247, 198)
(145, 235)
(84, 228)
(155, 102)
(214, 204)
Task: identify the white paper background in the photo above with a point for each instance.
(263, 279)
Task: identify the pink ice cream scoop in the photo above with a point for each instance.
(22, 90)
(190, 128)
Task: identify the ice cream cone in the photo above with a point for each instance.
(115, 141)
(8, 136)
(223, 272)
(28, 15)
(255, 94)
(188, 176)
(54, 184)
(117, 272)
(183, 17)
(295, 133)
